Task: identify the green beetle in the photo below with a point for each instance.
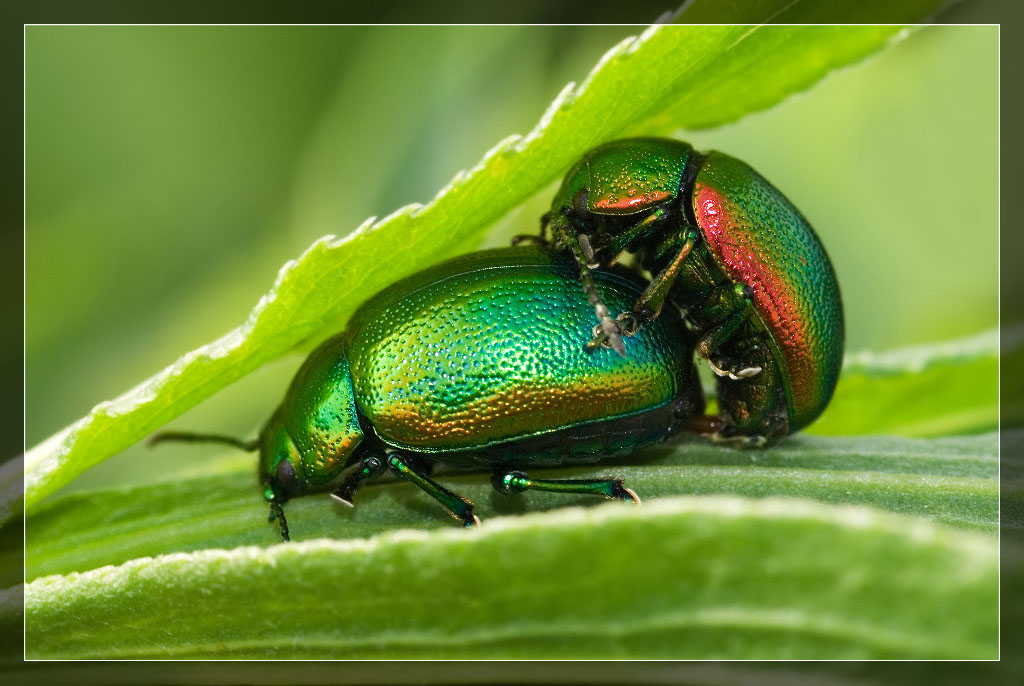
(728, 248)
(478, 362)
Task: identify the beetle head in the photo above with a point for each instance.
(281, 470)
(280, 462)
(606, 196)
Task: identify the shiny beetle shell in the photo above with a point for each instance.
(759, 238)
(700, 223)
(479, 361)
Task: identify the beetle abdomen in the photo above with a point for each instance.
(759, 238)
(585, 442)
(489, 355)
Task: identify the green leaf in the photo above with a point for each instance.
(928, 390)
(667, 78)
(806, 11)
(724, 578)
(950, 480)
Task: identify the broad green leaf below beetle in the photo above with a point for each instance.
(714, 577)
(949, 480)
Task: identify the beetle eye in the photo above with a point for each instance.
(285, 477)
(579, 204)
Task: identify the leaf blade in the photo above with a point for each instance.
(826, 586)
(926, 390)
(952, 481)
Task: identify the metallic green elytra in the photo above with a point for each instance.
(733, 253)
(481, 361)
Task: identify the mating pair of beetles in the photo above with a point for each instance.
(493, 359)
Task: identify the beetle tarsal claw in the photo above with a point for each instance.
(607, 335)
(342, 499)
(614, 337)
(716, 369)
(752, 441)
(632, 494)
(738, 375)
(629, 323)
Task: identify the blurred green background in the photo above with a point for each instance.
(172, 170)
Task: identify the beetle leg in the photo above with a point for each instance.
(722, 366)
(277, 512)
(735, 307)
(716, 430)
(739, 441)
(545, 220)
(457, 506)
(649, 304)
(534, 239)
(508, 482)
(640, 231)
(366, 468)
(610, 331)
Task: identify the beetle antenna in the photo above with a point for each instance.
(277, 512)
(609, 328)
(188, 437)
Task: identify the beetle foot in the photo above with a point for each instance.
(751, 441)
(621, 492)
(734, 372)
(465, 515)
(343, 497)
(463, 511)
(629, 323)
(610, 331)
(607, 335)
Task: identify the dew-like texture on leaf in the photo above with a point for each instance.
(682, 578)
(668, 78)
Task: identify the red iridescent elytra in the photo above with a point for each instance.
(760, 239)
